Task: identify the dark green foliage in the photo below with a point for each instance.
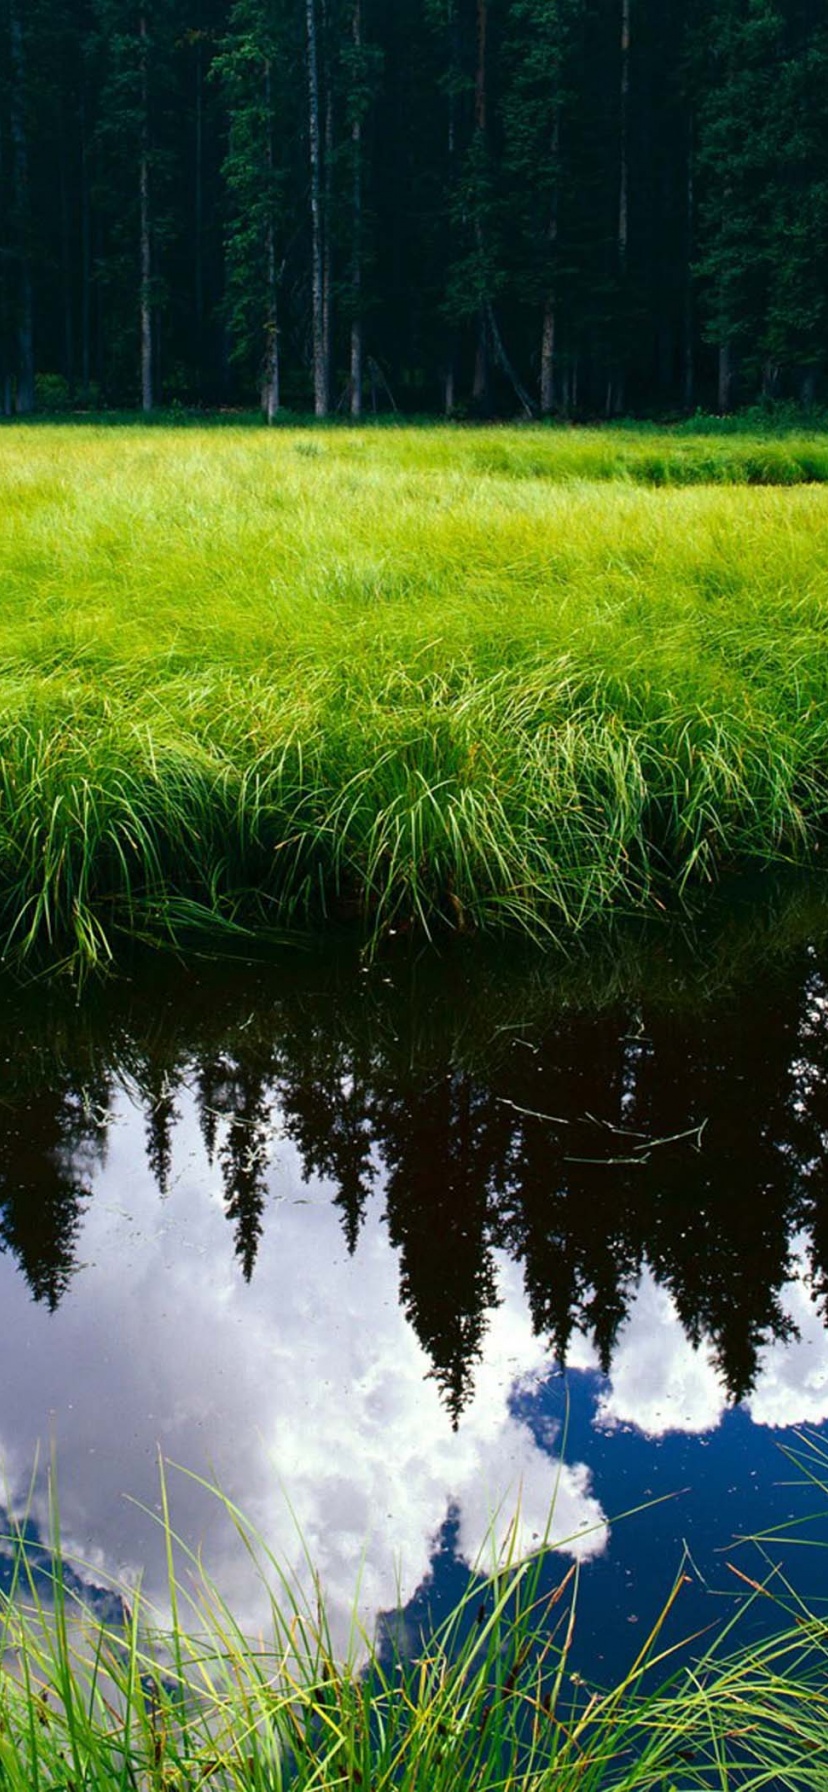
(252, 67)
(763, 120)
(569, 206)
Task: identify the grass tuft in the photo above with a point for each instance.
(445, 678)
(486, 1700)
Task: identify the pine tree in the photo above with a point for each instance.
(577, 205)
(251, 68)
(537, 53)
(738, 133)
(797, 313)
(361, 68)
(21, 206)
(135, 57)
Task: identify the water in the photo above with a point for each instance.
(407, 1245)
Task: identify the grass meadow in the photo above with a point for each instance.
(407, 678)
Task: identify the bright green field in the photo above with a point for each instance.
(433, 676)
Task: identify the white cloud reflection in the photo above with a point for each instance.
(309, 1384)
(792, 1384)
(660, 1382)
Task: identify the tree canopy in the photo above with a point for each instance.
(480, 207)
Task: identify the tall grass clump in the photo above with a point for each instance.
(414, 678)
(486, 1700)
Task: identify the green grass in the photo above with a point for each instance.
(486, 1701)
(422, 677)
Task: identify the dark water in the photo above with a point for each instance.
(407, 1245)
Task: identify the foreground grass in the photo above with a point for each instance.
(482, 678)
(486, 1701)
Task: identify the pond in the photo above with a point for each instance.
(393, 1249)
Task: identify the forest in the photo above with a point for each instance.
(491, 208)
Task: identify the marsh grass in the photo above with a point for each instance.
(485, 1701)
(252, 681)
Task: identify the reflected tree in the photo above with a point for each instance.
(435, 1153)
(561, 1142)
(327, 1101)
(722, 1224)
(49, 1150)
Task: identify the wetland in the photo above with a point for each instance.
(464, 1162)
(388, 1247)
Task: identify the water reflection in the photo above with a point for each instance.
(334, 1228)
(584, 1146)
(309, 1383)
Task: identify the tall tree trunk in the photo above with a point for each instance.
(689, 308)
(327, 209)
(480, 387)
(496, 341)
(86, 259)
(624, 171)
(356, 226)
(548, 328)
(25, 398)
(146, 232)
(98, 332)
(320, 372)
(480, 383)
(566, 392)
(270, 391)
(547, 376)
(617, 384)
(66, 274)
(198, 271)
(449, 388)
(725, 377)
(480, 94)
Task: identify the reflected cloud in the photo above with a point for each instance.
(661, 1382)
(792, 1384)
(309, 1383)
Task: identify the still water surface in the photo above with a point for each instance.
(387, 1250)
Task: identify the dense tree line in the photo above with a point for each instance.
(574, 207)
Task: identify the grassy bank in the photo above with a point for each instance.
(475, 678)
(96, 1695)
